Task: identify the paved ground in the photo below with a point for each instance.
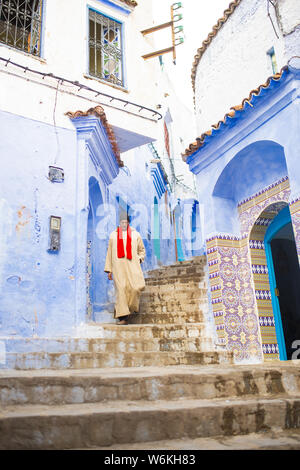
(287, 440)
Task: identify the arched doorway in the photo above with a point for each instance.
(284, 276)
(96, 295)
(276, 278)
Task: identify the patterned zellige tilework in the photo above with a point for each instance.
(262, 286)
(233, 298)
(251, 209)
(213, 259)
(239, 280)
(89, 307)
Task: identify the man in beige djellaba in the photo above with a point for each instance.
(125, 254)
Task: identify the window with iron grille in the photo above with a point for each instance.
(105, 48)
(20, 24)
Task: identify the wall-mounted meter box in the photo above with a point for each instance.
(56, 174)
(55, 231)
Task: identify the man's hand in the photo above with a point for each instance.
(110, 276)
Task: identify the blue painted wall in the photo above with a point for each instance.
(37, 287)
(44, 293)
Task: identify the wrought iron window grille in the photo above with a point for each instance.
(105, 48)
(20, 24)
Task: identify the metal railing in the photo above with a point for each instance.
(80, 86)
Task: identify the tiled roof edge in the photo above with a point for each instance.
(98, 111)
(131, 3)
(200, 140)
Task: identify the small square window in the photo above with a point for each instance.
(105, 48)
(20, 24)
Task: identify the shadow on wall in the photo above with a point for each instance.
(253, 168)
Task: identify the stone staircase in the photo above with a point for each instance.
(128, 407)
(169, 330)
(157, 380)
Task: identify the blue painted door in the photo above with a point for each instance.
(284, 275)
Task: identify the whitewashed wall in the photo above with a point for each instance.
(65, 53)
(237, 62)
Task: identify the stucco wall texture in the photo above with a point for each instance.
(237, 60)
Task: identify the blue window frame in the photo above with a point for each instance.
(105, 48)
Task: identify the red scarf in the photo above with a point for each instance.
(120, 244)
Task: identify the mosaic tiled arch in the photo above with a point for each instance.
(261, 280)
(240, 291)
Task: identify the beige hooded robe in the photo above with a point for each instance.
(127, 274)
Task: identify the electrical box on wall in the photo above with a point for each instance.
(55, 231)
(56, 174)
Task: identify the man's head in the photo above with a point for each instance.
(124, 221)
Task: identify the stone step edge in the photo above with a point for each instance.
(37, 426)
(144, 325)
(174, 280)
(193, 376)
(130, 328)
(108, 327)
(100, 354)
(169, 299)
(175, 292)
(127, 341)
(153, 372)
(197, 261)
(287, 439)
(195, 276)
(119, 406)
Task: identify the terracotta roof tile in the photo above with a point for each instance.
(193, 147)
(227, 13)
(98, 111)
(131, 3)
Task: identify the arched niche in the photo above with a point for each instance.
(96, 250)
(251, 169)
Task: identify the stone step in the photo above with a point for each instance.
(170, 273)
(115, 422)
(180, 281)
(172, 306)
(87, 360)
(174, 286)
(159, 318)
(155, 299)
(181, 266)
(178, 294)
(145, 331)
(52, 387)
(118, 345)
(287, 439)
(97, 333)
